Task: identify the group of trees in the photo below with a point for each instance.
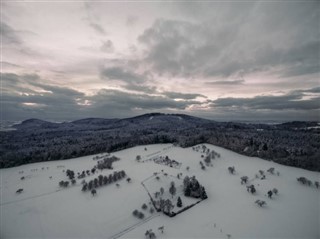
(70, 174)
(244, 179)
(271, 192)
(271, 170)
(251, 189)
(262, 175)
(85, 173)
(308, 182)
(160, 193)
(88, 172)
(103, 180)
(145, 207)
(192, 188)
(167, 161)
(106, 163)
(202, 165)
(260, 203)
(210, 155)
(166, 205)
(201, 148)
(138, 214)
(100, 156)
(231, 170)
(151, 235)
(65, 184)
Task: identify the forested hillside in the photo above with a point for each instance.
(295, 143)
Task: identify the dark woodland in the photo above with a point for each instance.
(294, 143)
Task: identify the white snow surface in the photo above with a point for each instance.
(43, 210)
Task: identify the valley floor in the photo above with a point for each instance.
(44, 210)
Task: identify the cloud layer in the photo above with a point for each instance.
(245, 60)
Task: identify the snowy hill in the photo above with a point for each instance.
(45, 210)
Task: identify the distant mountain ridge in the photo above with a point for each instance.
(152, 118)
(147, 119)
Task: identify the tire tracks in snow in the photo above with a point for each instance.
(31, 197)
(124, 231)
(35, 196)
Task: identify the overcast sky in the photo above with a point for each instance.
(229, 60)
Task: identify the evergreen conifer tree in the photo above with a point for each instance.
(179, 202)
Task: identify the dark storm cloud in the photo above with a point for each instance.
(185, 96)
(35, 80)
(118, 73)
(170, 47)
(25, 96)
(293, 100)
(29, 88)
(48, 99)
(181, 48)
(125, 100)
(9, 78)
(132, 80)
(298, 60)
(173, 49)
(8, 64)
(141, 88)
(13, 41)
(11, 82)
(9, 35)
(55, 102)
(313, 90)
(242, 38)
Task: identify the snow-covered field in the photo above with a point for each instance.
(44, 210)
